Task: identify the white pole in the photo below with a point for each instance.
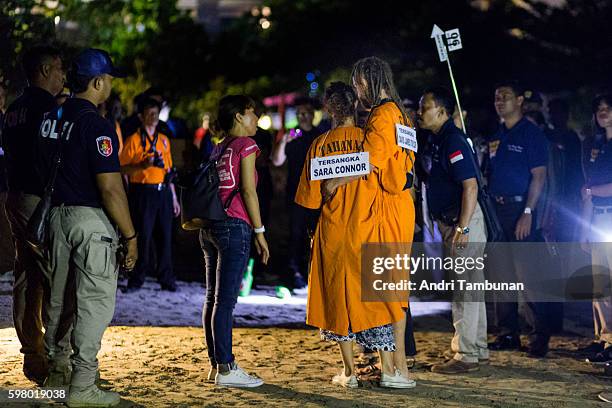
(450, 70)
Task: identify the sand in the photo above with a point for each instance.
(167, 367)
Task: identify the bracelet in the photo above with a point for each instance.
(259, 230)
(126, 239)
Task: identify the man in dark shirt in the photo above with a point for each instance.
(564, 174)
(293, 149)
(518, 155)
(88, 202)
(452, 194)
(43, 69)
(7, 250)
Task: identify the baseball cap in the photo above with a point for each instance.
(93, 62)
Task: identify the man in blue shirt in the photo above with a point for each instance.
(518, 155)
(452, 195)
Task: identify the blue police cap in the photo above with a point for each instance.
(93, 62)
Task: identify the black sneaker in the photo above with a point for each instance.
(130, 289)
(298, 281)
(601, 359)
(508, 342)
(538, 346)
(169, 287)
(593, 348)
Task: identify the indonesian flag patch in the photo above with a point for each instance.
(455, 157)
(105, 146)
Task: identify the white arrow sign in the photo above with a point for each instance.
(438, 35)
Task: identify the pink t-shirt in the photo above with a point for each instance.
(228, 167)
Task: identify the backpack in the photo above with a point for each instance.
(201, 203)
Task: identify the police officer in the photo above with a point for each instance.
(452, 194)
(147, 160)
(89, 201)
(518, 155)
(45, 75)
(597, 207)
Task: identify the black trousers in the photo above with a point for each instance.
(151, 211)
(506, 313)
(302, 223)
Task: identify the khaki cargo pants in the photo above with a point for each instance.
(469, 310)
(83, 257)
(31, 272)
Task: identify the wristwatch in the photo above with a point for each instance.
(461, 230)
(588, 191)
(527, 210)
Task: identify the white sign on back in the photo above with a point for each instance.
(406, 137)
(437, 35)
(341, 165)
(453, 39)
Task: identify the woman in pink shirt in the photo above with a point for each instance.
(226, 244)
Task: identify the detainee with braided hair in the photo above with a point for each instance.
(348, 219)
(372, 80)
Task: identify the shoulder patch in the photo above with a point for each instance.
(105, 145)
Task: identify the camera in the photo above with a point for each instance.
(158, 161)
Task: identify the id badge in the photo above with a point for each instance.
(406, 137)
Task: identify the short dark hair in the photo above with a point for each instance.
(77, 83)
(148, 103)
(607, 98)
(229, 106)
(443, 97)
(516, 86)
(340, 100)
(36, 56)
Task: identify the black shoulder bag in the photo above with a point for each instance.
(495, 231)
(200, 201)
(38, 224)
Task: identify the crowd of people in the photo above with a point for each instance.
(110, 185)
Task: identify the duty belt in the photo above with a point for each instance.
(602, 210)
(509, 199)
(158, 187)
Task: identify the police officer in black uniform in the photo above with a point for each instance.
(88, 202)
(45, 75)
(518, 155)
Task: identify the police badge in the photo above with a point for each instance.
(105, 146)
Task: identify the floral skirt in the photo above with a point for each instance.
(376, 338)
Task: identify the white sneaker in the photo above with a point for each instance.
(211, 374)
(92, 396)
(396, 381)
(344, 381)
(237, 378)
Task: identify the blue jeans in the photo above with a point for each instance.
(226, 247)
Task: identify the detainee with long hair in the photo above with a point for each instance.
(347, 220)
(226, 244)
(372, 80)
